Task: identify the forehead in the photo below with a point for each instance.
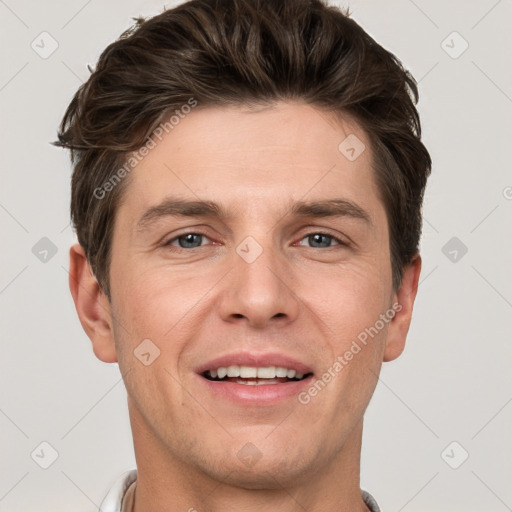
(257, 157)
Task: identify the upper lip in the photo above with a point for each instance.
(254, 359)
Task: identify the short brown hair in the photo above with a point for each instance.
(225, 52)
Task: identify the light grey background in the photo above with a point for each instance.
(453, 382)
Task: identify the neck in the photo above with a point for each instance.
(165, 482)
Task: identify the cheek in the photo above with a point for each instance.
(151, 300)
(164, 305)
(349, 299)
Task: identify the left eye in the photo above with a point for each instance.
(188, 240)
(321, 240)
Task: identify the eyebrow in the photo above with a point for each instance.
(181, 208)
(186, 208)
(330, 208)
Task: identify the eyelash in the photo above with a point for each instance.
(338, 241)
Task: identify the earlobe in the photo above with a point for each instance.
(92, 306)
(405, 296)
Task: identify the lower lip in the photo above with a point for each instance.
(262, 394)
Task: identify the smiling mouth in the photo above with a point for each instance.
(254, 376)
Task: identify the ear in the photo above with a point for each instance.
(404, 300)
(92, 305)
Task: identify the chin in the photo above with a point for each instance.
(272, 474)
(274, 466)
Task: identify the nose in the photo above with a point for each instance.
(259, 292)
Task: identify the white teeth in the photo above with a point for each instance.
(281, 372)
(248, 372)
(233, 371)
(252, 372)
(267, 373)
(247, 382)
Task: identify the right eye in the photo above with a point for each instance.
(187, 240)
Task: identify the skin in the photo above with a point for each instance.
(307, 301)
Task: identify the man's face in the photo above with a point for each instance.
(267, 282)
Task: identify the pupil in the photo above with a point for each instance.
(190, 240)
(319, 239)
